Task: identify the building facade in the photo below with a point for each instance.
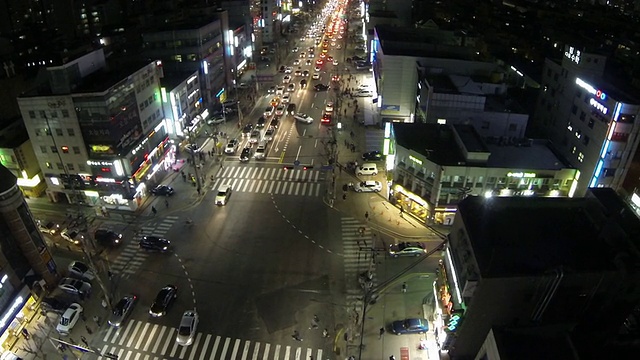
(17, 155)
(182, 104)
(26, 266)
(593, 123)
(101, 137)
(436, 166)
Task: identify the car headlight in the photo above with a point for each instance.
(165, 248)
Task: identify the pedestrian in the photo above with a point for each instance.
(296, 336)
(401, 210)
(325, 333)
(381, 333)
(344, 196)
(366, 215)
(166, 203)
(84, 341)
(109, 274)
(184, 177)
(404, 287)
(89, 331)
(153, 210)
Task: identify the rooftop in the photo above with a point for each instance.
(513, 236)
(172, 79)
(406, 41)
(436, 142)
(537, 154)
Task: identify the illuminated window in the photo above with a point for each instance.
(48, 165)
(580, 157)
(65, 149)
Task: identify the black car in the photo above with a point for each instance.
(163, 301)
(192, 148)
(321, 87)
(291, 109)
(274, 122)
(245, 155)
(372, 156)
(162, 190)
(52, 304)
(247, 129)
(357, 58)
(107, 237)
(154, 243)
(303, 83)
(261, 122)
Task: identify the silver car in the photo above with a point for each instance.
(74, 286)
(188, 327)
(407, 249)
(81, 271)
(367, 186)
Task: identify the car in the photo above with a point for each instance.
(356, 58)
(245, 155)
(302, 55)
(75, 286)
(305, 73)
(298, 73)
(121, 310)
(303, 84)
(192, 148)
(72, 235)
(326, 119)
(303, 118)
(274, 101)
(55, 305)
(154, 243)
(367, 186)
(317, 69)
(275, 123)
(363, 93)
(279, 90)
(410, 326)
(291, 109)
(187, 328)
(280, 110)
(407, 249)
(223, 194)
(271, 90)
(288, 70)
(335, 62)
(165, 190)
(268, 135)
(163, 301)
(80, 270)
(310, 56)
(339, 46)
(246, 130)
(335, 78)
(319, 62)
(295, 49)
(296, 62)
(69, 319)
(321, 87)
(286, 79)
(372, 155)
(268, 111)
(214, 120)
(308, 62)
(254, 137)
(232, 146)
(48, 227)
(291, 87)
(329, 107)
(325, 50)
(316, 76)
(261, 121)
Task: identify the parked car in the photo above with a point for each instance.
(52, 304)
(107, 237)
(372, 156)
(80, 270)
(410, 326)
(72, 235)
(407, 249)
(75, 286)
(122, 310)
(48, 227)
(214, 120)
(163, 301)
(162, 190)
(69, 319)
(367, 186)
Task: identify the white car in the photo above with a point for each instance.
(47, 227)
(72, 235)
(74, 286)
(69, 319)
(316, 76)
(367, 186)
(232, 146)
(329, 107)
(254, 137)
(286, 79)
(268, 135)
(288, 70)
(280, 110)
(291, 87)
(224, 192)
(335, 62)
(363, 93)
(188, 327)
(80, 270)
(303, 118)
(286, 98)
(317, 69)
(280, 90)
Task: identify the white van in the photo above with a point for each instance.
(261, 151)
(367, 169)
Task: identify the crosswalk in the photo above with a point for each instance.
(131, 258)
(357, 259)
(271, 180)
(140, 340)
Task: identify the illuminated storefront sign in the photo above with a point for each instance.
(573, 54)
(593, 91)
(415, 159)
(9, 314)
(521, 175)
(102, 149)
(603, 109)
(99, 163)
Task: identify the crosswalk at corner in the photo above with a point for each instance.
(357, 259)
(139, 340)
(131, 258)
(271, 180)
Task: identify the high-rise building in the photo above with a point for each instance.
(591, 121)
(98, 130)
(27, 269)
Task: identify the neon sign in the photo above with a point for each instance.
(603, 109)
(521, 175)
(573, 54)
(593, 91)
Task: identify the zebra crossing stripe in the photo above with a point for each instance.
(166, 343)
(195, 346)
(267, 347)
(155, 347)
(205, 347)
(225, 348)
(256, 351)
(236, 345)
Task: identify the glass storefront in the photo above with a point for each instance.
(20, 313)
(409, 203)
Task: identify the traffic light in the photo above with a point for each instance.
(288, 167)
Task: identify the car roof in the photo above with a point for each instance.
(371, 182)
(224, 187)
